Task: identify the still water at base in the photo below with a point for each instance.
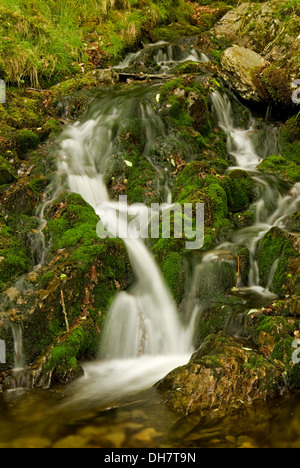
(47, 419)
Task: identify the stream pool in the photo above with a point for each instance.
(39, 419)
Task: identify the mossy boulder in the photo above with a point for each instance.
(241, 68)
(7, 173)
(81, 276)
(239, 188)
(27, 140)
(289, 140)
(222, 374)
(282, 167)
(14, 259)
(275, 246)
(213, 279)
(174, 274)
(273, 335)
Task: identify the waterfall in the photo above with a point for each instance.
(143, 330)
(18, 345)
(164, 55)
(238, 142)
(275, 202)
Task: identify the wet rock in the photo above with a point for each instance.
(7, 175)
(106, 76)
(30, 442)
(277, 250)
(72, 441)
(145, 437)
(222, 374)
(272, 30)
(241, 68)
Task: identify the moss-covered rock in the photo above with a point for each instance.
(174, 274)
(275, 246)
(27, 140)
(269, 28)
(241, 68)
(7, 174)
(73, 289)
(289, 140)
(14, 260)
(282, 167)
(274, 336)
(239, 188)
(222, 374)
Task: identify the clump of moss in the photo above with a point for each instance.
(289, 140)
(277, 83)
(46, 279)
(131, 135)
(239, 187)
(14, 260)
(26, 140)
(285, 169)
(173, 272)
(63, 363)
(274, 246)
(7, 174)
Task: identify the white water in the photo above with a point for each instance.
(238, 142)
(143, 338)
(275, 202)
(166, 55)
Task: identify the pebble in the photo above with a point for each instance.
(72, 441)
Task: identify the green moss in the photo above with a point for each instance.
(285, 169)
(277, 82)
(46, 279)
(289, 141)
(239, 190)
(7, 174)
(27, 140)
(80, 342)
(131, 134)
(76, 224)
(142, 183)
(173, 272)
(69, 87)
(13, 256)
(275, 246)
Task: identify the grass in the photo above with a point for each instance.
(43, 42)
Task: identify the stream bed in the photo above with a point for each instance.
(114, 405)
(48, 419)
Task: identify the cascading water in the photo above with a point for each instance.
(277, 200)
(143, 337)
(164, 55)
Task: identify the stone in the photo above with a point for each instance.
(241, 68)
(221, 374)
(106, 76)
(271, 29)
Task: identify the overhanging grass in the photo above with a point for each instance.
(44, 41)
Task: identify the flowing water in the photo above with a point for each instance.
(114, 404)
(143, 338)
(162, 57)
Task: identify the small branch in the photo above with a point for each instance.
(64, 309)
(238, 273)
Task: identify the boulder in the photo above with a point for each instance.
(106, 76)
(271, 29)
(223, 373)
(241, 68)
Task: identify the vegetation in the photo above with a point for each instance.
(42, 42)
